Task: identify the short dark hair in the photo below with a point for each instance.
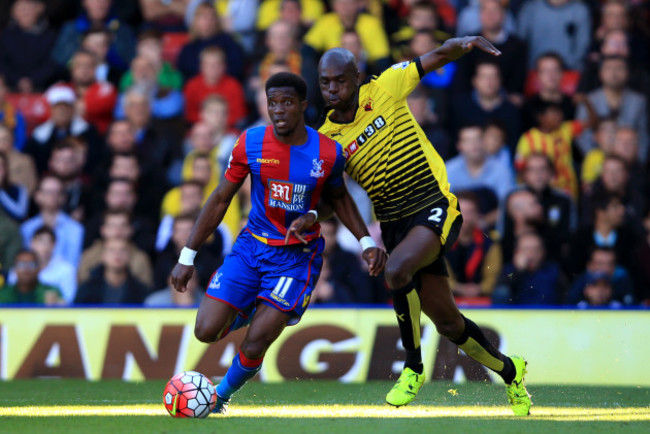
(602, 199)
(550, 55)
(544, 106)
(470, 196)
(287, 79)
(116, 212)
(45, 230)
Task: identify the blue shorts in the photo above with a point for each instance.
(282, 277)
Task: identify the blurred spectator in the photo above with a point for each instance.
(208, 259)
(28, 287)
(474, 169)
(201, 169)
(607, 230)
(95, 99)
(164, 103)
(342, 279)
(351, 41)
(614, 99)
(65, 165)
(25, 47)
(494, 139)
(214, 113)
(471, 19)
(530, 279)
(10, 243)
(523, 213)
(126, 165)
(150, 47)
(616, 43)
(206, 32)
(626, 146)
(563, 26)
(12, 118)
(475, 259)
(238, 17)
(111, 282)
(96, 14)
(326, 32)
(262, 115)
(167, 16)
(305, 12)
(116, 224)
(121, 195)
(554, 137)
(615, 179)
(592, 165)
(186, 198)
(486, 102)
(63, 123)
(170, 297)
(97, 40)
(428, 121)
(422, 16)
(14, 198)
(156, 143)
(549, 69)
(602, 264)
(21, 168)
(598, 291)
(281, 45)
(49, 198)
(559, 210)
(496, 26)
(615, 17)
(213, 80)
(53, 269)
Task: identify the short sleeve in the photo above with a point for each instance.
(238, 167)
(400, 79)
(336, 176)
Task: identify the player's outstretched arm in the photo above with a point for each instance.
(209, 218)
(453, 49)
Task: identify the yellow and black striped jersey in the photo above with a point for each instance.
(387, 152)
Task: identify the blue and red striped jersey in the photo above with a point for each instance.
(286, 181)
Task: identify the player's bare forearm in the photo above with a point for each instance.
(325, 209)
(453, 49)
(347, 211)
(212, 213)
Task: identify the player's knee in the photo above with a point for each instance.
(396, 275)
(204, 333)
(450, 328)
(253, 349)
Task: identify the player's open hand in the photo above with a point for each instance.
(181, 274)
(376, 258)
(299, 227)
(456, 47)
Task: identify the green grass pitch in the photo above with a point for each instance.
(70, 406)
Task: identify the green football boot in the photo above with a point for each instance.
(407, 387)
(517, 394)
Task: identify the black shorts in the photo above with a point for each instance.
(443, 218)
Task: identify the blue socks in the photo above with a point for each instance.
(241, 370)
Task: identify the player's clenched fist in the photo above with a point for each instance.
(181, 274)
(376, 258)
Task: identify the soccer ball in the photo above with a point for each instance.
(189, 394)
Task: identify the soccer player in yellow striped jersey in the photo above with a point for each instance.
(389, 155)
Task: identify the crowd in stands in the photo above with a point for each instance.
(117, 119)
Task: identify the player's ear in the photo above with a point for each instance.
(304, 105)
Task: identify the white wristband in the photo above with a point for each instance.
(313, 211)
(366, 243)
(187, 256)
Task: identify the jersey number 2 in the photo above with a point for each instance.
(436, 213)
